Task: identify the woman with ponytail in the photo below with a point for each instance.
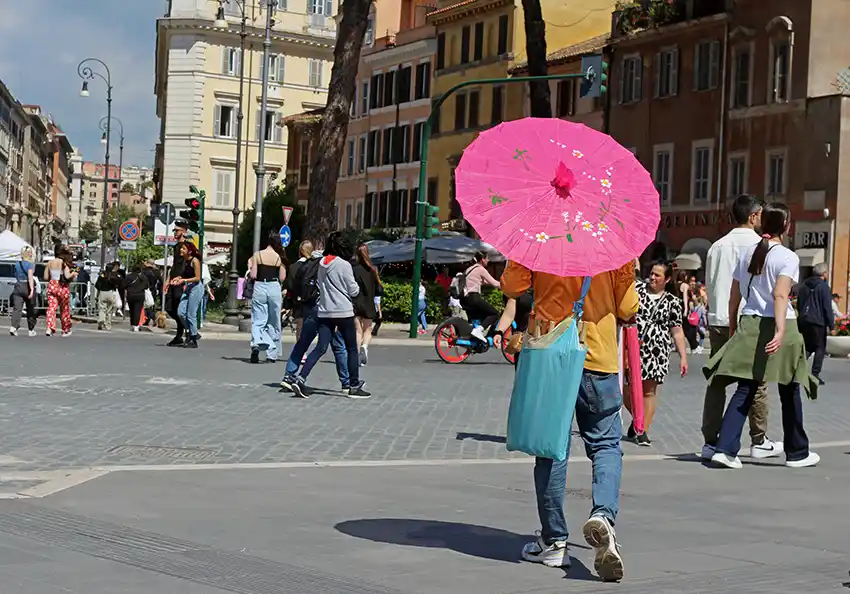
(766, 345)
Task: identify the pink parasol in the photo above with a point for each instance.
(557, 197)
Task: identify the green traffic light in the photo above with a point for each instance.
(603, 89)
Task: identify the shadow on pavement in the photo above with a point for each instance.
(469, 361)
(481, 437)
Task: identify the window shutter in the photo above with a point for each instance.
(262, 69)
(238, 62)
(714, 65)
(638, 78)
(217, 124)
(696, 66)
(233, 122)
(281, 67)
(622, 82)
(329, 8)
(674, 73)
(225, 60)
(656, 76)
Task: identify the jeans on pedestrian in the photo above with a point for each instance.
(600, 426)
(795, 438)
(327, 327)
(265, 318)
(309, 331)
(422, 320)
(190, 304)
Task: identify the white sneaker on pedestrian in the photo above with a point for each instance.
(766, 449)
(478, 332)
(31, 333)
(553, 555)
(726, 460)
(364, 355)
(707, 452)
(67, 334)
(811, 460)
(699, 351)
(13, 331)
(599, 533)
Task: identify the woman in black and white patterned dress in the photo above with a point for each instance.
(659, 322)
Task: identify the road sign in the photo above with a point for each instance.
(287, 214)
(166, 213)
(128, 245)
(129, 231)
(285, 235)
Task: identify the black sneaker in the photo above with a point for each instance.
(820, 381)
(359, 392)
(255, 355)
(177, 341)
(287, 382)
(300, 389)
(631, 434)
(344, 388)
(192, 343)
(643, 440)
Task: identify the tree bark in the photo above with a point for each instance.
(321, 211)
(535, 47)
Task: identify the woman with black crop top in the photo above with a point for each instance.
(268, 270)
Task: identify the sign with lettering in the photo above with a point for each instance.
(695, 219)
(815, 239)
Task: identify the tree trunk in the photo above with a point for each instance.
(535, 47)
(321, 205)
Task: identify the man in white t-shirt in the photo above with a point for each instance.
(720, 268)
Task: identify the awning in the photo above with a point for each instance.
(811, 256)
(688, 262)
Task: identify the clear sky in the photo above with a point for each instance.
(41, 43)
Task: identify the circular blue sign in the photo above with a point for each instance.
(285, 235)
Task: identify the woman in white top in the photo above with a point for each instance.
(765, 345)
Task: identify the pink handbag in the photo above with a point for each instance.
(631, 362)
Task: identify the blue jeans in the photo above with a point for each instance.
(422, 321)
(190, 304)
(796, 441)
(265, 318)
(309, 331)
(328, 327)
(598, 418)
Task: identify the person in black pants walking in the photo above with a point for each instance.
(173, 293)
(134, 288)
(814, 303)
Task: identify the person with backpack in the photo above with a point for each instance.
(814, 302)
(468, 291)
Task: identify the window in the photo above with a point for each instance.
(389, 88)
(742, 77)
(230, 61)
(737, 175)
(377, 91)
(667, 73)
(566, 98)
(776, 178)
(348, 216)
(464, 44)
(387, 146)
(398, 151)
(423, 80)
(276, 68)
(701, 161)
(478, 49)
(498, 106)
(441, 51)
(115, 194)
(706, 65)
(358, 215)
(351, 146)
(474, 99)
(405, 140)
(222, 188)
(364, 98)
(460, 111)
(361, 154)
(304, 163)
(315, 67)
(404, 83)
(324, 7)
(780, 54)
(367, 209)
(418, 129)
(631, 79)
(662, 172)
(503, 35)
(225, 125)
(273, 130)
(374, 148)
(352, 112)
(369, 37)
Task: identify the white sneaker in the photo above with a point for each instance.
(553, 555)
(699, 351)
(599, 533)
(67, 334)
(726, 460)
(478, 332)
(766, 449)
(31, 333)
(364, 355)
(13, 332)
(48, 333)
(810, 460)
(707, 452)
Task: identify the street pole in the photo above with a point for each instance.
(104, 124)
(261, 152)
(422, 198)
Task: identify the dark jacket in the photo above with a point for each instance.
(814, 303)
(364, 303)
(135, 285)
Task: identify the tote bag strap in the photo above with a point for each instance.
(578, 306)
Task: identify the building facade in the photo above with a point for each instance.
(197, 86)
(38, 179)
(75, 196)
(60, 206)
(13, 123)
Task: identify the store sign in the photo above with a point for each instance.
(815, 239)
(697, 219)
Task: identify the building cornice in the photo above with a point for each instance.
(395, 55)
(464, 9)
(254, 34)
(655, 33)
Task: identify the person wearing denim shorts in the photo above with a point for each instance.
(612, 297)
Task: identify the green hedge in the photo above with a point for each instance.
(395, 304)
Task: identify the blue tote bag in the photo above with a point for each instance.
(546, 387)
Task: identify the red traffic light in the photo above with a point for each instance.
(193, 203)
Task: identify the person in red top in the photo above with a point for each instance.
(443, 279)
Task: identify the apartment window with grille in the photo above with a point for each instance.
(405, 81)
(566, 98)
(304, 163)
(377, 91)
(780, 51)
(348, 210)
(361, 154)
(387, 146)
(351, 156)
(667, 73)
(230, 61)
(423, 80)
(464, 44)
(631, 79)
(478, 49)
(662, 172)
(374, 148)
(460, 111)
(497, 115)
(418, 128)
(389, 88)
(706, 65)
(225, 121)
(358, 215)
(364, 98)
(738, 172)
(441, 51)
(315, 67)
(776, 174)
(503, 35)
(701, 165)
(277, 68)
(222, 188)
(474, 101)
(742, 77)
(271, 125)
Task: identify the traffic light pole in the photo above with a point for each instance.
(423, 173)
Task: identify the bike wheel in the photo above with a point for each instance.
(445, 343)
(510, 358)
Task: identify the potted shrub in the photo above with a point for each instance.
(838, 345)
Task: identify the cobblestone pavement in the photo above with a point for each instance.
(124, 399)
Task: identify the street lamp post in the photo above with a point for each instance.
(104, 124)
(231, 311)
(86, 73)
(261, 152)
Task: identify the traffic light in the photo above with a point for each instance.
(595, 82)
(431, 221)
(193, 215)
